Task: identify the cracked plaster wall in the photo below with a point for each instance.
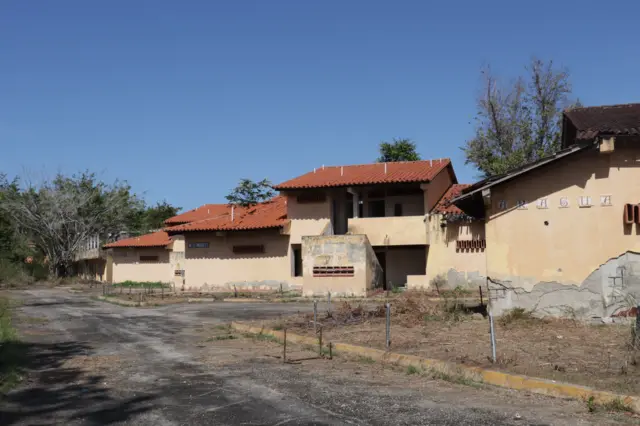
(612, 288)
(557, 257)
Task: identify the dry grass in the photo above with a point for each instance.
(593, 355)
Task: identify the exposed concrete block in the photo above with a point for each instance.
(612, 287)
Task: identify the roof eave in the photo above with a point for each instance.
(471, 202)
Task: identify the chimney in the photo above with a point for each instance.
(430, 163)
(385, 168)
(232, 212)
(341, 171)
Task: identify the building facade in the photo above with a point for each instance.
(562, 233)
(348, 230)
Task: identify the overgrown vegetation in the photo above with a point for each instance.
(515, 315)
(9, 356)
(142, 284)
(616, 404)
(44, 225)
(521, 122)
(412, 369)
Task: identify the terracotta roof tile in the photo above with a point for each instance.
(366, 174)
(591, 122)
(155, 239)
(202, 212)
(444, 206)
(270, 214)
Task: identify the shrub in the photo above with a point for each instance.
(514, 315)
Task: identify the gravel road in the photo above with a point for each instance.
(95, 363)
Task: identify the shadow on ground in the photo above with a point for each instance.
(51, 390)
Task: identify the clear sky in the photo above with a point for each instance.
(184, 98)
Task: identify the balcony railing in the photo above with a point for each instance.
(391, 231)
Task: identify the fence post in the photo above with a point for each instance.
(320, 343)
(162, 292)
(235, 291)
(329, 300)
(284, 349)
(330, 350)
(315, 316)
(493, 337)
(388, 325)
(481, 300)
(637, 334)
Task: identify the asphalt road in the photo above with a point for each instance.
(96, 363)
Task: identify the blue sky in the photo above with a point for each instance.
(182, 99)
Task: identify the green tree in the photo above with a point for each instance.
(154, 216)
(521, 122)
(249, 193)
(13, 244)
(398, 150)
(59, 215)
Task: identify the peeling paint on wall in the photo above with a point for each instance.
(612, 288)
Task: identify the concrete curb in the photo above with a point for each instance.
(496, 378)
(121, 302)
(244, 300)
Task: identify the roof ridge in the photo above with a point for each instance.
(630, 104)
(443, 160)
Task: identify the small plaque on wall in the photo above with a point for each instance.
(542, 203)
(564, 202)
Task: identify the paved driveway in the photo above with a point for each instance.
(98, 363)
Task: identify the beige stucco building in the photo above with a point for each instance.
(557, 238)
(347, 230)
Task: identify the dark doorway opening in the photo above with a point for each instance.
(382, 260)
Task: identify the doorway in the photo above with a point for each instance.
(382, 260)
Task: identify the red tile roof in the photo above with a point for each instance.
(366, 174)
(605, 120)
(443, 206)
(203, 212)
(270, 214)
(155, 239)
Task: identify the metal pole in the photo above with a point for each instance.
(481, 301)
(388, 339)
(330, 350)
(493, 338)
(637, 335)
(284, 349)
(320, 343)
(315, 316)
(329, 300)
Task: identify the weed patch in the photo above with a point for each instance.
(142, 284)
(266, 338)
(412, 369)
(614, 405)
(366, 359)
(9, 352)
(224, 337)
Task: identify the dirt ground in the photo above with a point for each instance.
(598, 356)
(90, 362)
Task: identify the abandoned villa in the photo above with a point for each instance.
(560, 236)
